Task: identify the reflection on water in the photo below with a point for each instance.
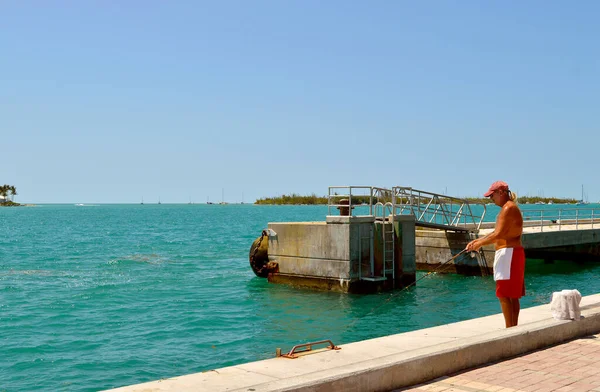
(561, 267)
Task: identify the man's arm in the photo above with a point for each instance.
(500, 231)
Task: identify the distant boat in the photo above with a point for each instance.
(142, 201)
(208, 202)
(159, 200)
(583, 200)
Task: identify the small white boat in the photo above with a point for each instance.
(583, 200)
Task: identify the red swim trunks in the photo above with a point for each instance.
(509, 272)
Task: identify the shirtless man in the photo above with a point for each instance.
(509, 260)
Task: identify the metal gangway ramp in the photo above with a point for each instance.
(436, 211)
(431, 210)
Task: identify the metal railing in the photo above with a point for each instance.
(357, 196)
(430, 209)
(382, 210)
(562, 218)
(437, 210)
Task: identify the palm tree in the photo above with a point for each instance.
(4, 192)
(13, 190)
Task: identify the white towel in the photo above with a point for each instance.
(565, 305)
(502, 262)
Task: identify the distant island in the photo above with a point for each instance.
(5, 192)
(313, 199)
(295, 199)
(529, 200)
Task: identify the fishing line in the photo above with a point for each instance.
(392, 295)
(437, 269)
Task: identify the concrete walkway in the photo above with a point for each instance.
(568, 367)
(396, 361)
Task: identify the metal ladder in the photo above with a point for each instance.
(387, 241)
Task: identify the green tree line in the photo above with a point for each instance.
(293, 199)
(309, 199)
(528, 200)
(313, 199)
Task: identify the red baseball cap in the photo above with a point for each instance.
(496, 186)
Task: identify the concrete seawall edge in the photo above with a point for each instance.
(395, 361)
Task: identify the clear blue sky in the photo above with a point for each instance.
(114, 101)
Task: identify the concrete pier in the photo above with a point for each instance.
(550, 241)
(346, 253)
(396, 361)
(356, 254)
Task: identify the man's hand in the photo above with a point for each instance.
(473, 246)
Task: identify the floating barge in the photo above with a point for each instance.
(366, 243)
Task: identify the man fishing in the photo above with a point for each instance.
(509, 260)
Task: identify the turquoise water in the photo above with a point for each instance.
(94, 297)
